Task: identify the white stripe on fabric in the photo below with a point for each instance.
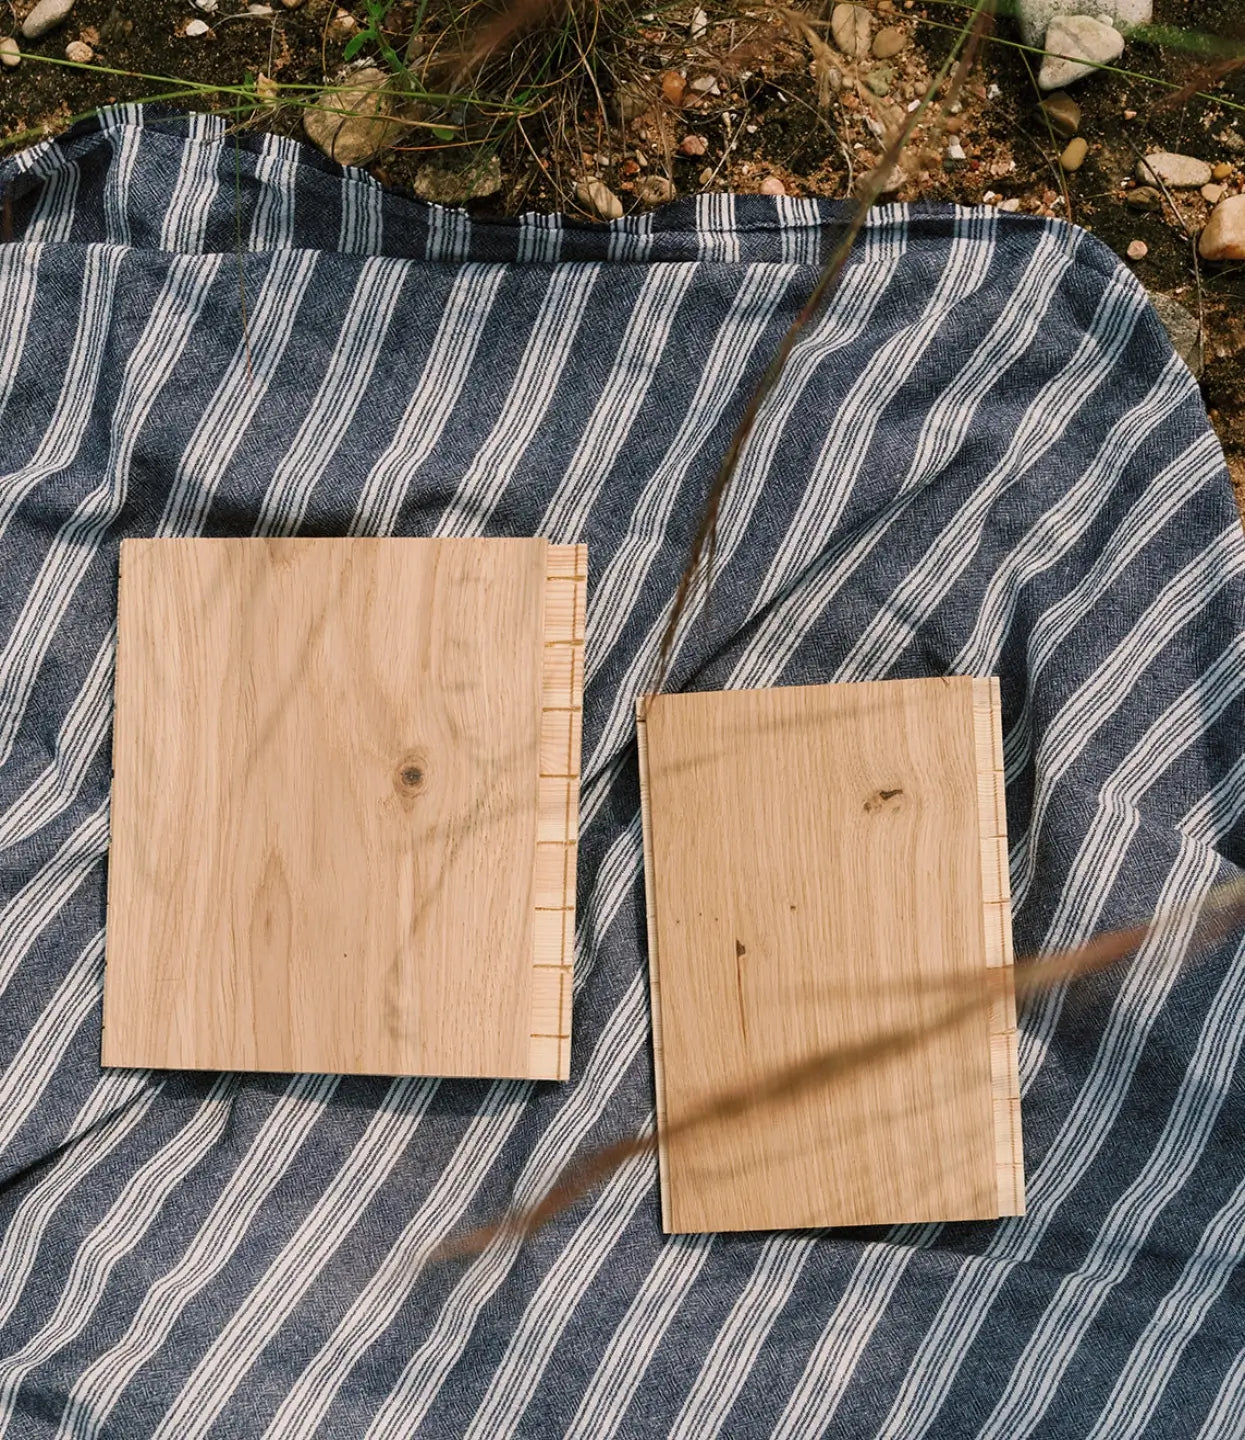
(378, 1302)
(43, 1046)
(539, 239)
(680, 1259)
(799, 231)
(362, 214)
(40, 899)
(268, 1157)
(184, 224)
(733, 1350)
(1226, 1417)
(276, 175)
(565, 304)
(19, 281)
(94, 1134)
(260, 1315)
(1061, 1331)
(75, 400)
(78, 540)
(51, 220)
(408, 1403)
(356, 353)
(453, 348)
(81, 737)
(543, 1323)
(122, 1228)
(125, 140)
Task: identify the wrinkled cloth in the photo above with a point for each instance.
(983, 457)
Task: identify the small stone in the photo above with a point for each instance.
(291, 4)
(693, 145)
(266, 89)
(705, 175)
(46, 15)
(10, 54)
(1137, 250)
(1035, 15)
(443, 185)
(1011, 205)
(1076, 46)
(878, 80)
(1063, 113)
(1182, 330)
(343, 24)
(1144, 197)
(1177, 172)
(195, 28)
(631, 100)
(1224, 235)
(772, 185)
(1222, 170)
(654, 190)
(889, 42)
(850, 25)
(1074, 154)
(79, 52)
(1130, 114)
(350, 122)
(699, 25)
(1213, 194)
(955, 153)
(706, 85)
(673, 87)
(596, 195)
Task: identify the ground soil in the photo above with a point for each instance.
(777, 115)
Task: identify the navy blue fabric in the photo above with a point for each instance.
(982, 458)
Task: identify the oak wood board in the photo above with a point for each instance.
(824, 865)
(344, 801)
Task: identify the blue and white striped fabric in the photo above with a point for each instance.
(982, 458)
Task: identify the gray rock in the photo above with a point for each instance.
(1224, 235)
(1144, 197)
(46, 15)
(350, 122)
(879, 79)
(1177, 172)
(1063, 113)
(441, 185)
(596, 195)
(1035, 15)
(1076, 45)
(1183, 330)
(851, 28)
(654, 190)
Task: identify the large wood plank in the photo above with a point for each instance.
(826, 864)
(346, 777)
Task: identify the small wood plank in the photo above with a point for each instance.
(334, 839)
(826, 865)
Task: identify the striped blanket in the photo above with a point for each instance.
(982, 458)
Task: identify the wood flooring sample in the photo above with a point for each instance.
(344, 806)
(826, 864)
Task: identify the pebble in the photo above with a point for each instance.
(888, 42)
(693, 145)
(596, 195)
(1063, 113)
(1224, 235)
(1213, 194)
(10, 54)
(772, 185)
(1010, 206)
(364, 130)
(1144, 197)
(878, 80)
(673, 87)
(1035, 15)
(706, 85)
(1222, 170)
(1182, 330)
(195, 28)
(79, 52)
(1077, 45)
(1137, 250)
(631, 100)
(46, 15)
(705, 175)
(850, 25)
(955, 153)
(1074, 154)
(441, 185)
(699, 25)
(654, 190)
(1177, 172)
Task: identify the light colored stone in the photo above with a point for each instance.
(1137, 250)
(693, 145)
(1224, 235)
(1076, 46)
(654, 190)
(889, 42)
(1144, 197)
(878, 80)
(351, 123)
(1063, 113)
(1182, 330)
(441, 185)
(195, 28)
(46, 15)
(1035, 15)
(955, 153)
(79, 52)
(1074, 154)
(596, 195)
(851, 26)
(1213, 194)
(1222, 170)
(1177, 172)
(10, 54)
(1011, 205)
(772, 185)
(699, 25)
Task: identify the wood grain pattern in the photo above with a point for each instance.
(826, 864)
(335, 842)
